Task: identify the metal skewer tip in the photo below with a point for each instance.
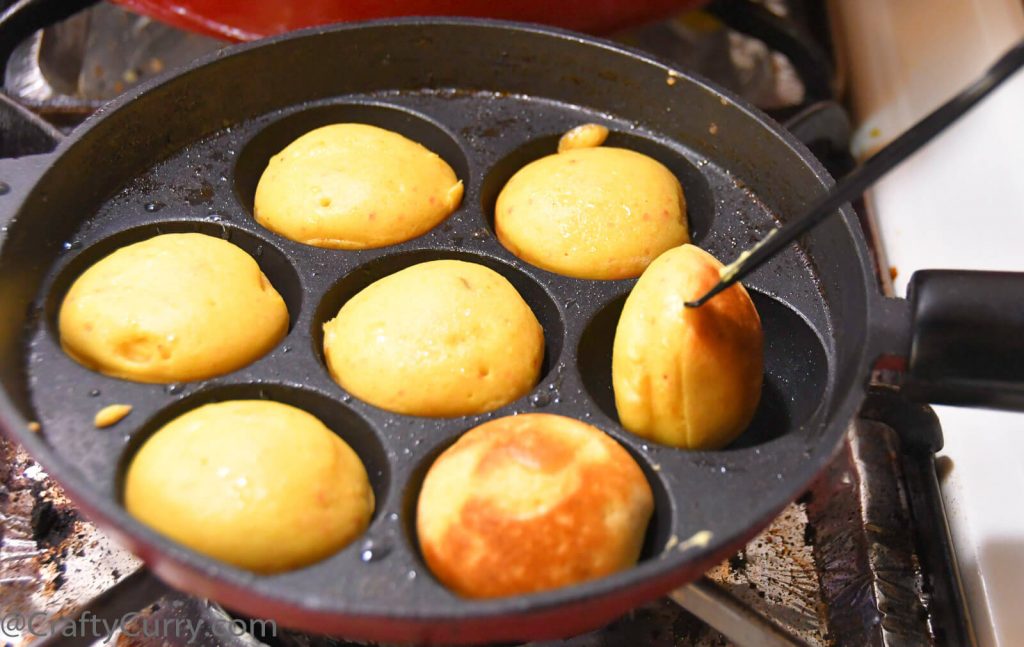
(707, 295)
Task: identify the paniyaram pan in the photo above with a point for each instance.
(184, 154)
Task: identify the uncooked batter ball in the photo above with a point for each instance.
(688, 377)
(254, 483)
(530, 503)
(173, 308)
(591, 211)
(355, 186)
(441, 338)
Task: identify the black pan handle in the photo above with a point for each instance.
(25, 141)
(23, 132)
(967, 340)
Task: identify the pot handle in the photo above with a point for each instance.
(967, 339)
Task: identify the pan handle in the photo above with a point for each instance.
(17, 176)
(967, 339)
(26, 150)
(25, 133)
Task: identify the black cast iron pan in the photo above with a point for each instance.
(184, 154)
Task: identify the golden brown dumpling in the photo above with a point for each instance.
(355, 186)
(688, 377)
(174, 308)
(442, 338)
(529, 503)
(258, 484)
(591, 212)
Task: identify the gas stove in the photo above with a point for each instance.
(863, 558)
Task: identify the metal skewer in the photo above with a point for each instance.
(862, 177)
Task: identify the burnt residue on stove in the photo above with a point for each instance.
(18, 552)
(777, 575)
(40, 527)
(51, 560)
(51, 524)
(53, 530)
(738, 562)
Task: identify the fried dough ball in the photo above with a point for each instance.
(590, 211)
(687, 377)
(355, 186)
(530, 503)
(173, 308)
(441, 338)
(258, 484)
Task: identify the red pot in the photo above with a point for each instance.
(251, 19)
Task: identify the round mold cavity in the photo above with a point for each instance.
(700, 202)
(795, 368)
(272, 139)
(662, 524)
(343, 421)
(660, 528)
(533, 293)
(272, 261)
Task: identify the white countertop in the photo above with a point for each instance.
(959, 203)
